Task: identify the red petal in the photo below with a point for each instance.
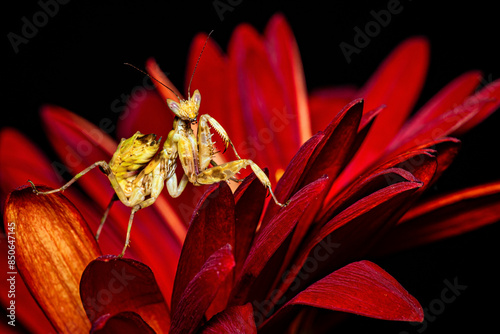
(442, 125)
(16, 168)
(123, 322)
(235, 319)
(79, 144)
(284, 56)
(448, 98)
(211, 227)
(154, 70)
(368, 184)
(145, 112)
(396, 84)
(445, 216)
(211, 79)
(263, 103)
(361, 288)
(111, 285)
(446, 149)
(328, 157)
(491, 94)
(250, 198)
(49, 230)
(294, 171)
(271, 237)
(201, 291)
(324, 104)
(355, 229)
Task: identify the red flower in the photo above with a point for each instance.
(354, 190)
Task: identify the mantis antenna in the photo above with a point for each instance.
(195, 66)
(152, 77)
(192, 75)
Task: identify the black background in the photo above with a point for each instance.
(75, 61)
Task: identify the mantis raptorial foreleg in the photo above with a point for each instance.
(227, 171)
(174, 189)
(203, 127)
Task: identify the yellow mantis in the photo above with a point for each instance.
(138, 170)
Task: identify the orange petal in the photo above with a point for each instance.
(155, 71)
(53, 246)
(26, 311)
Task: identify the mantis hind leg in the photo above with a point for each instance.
(136, 208)
(104, 167)
(227, 171)
(104, 216)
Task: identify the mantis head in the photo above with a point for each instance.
(187, 110)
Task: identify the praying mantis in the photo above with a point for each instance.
(138, 170)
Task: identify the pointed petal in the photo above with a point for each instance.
(111, 285)
(443, 125)
(350, 234)
(370, 183)
(154, 70)
(284, 56)
(49, 230)
(129, 322)
(324, 104)
(211, 227)
(263, 103)
(448, 98)
(145, 112)
(294, 171)
(361, 288)
(443, 217)
(250, 198)
(491, 94)
(272, 236)
(396, 84)
(327, 158)
(330, 156)
(446, 149)
(201, 291)
(234, 319)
